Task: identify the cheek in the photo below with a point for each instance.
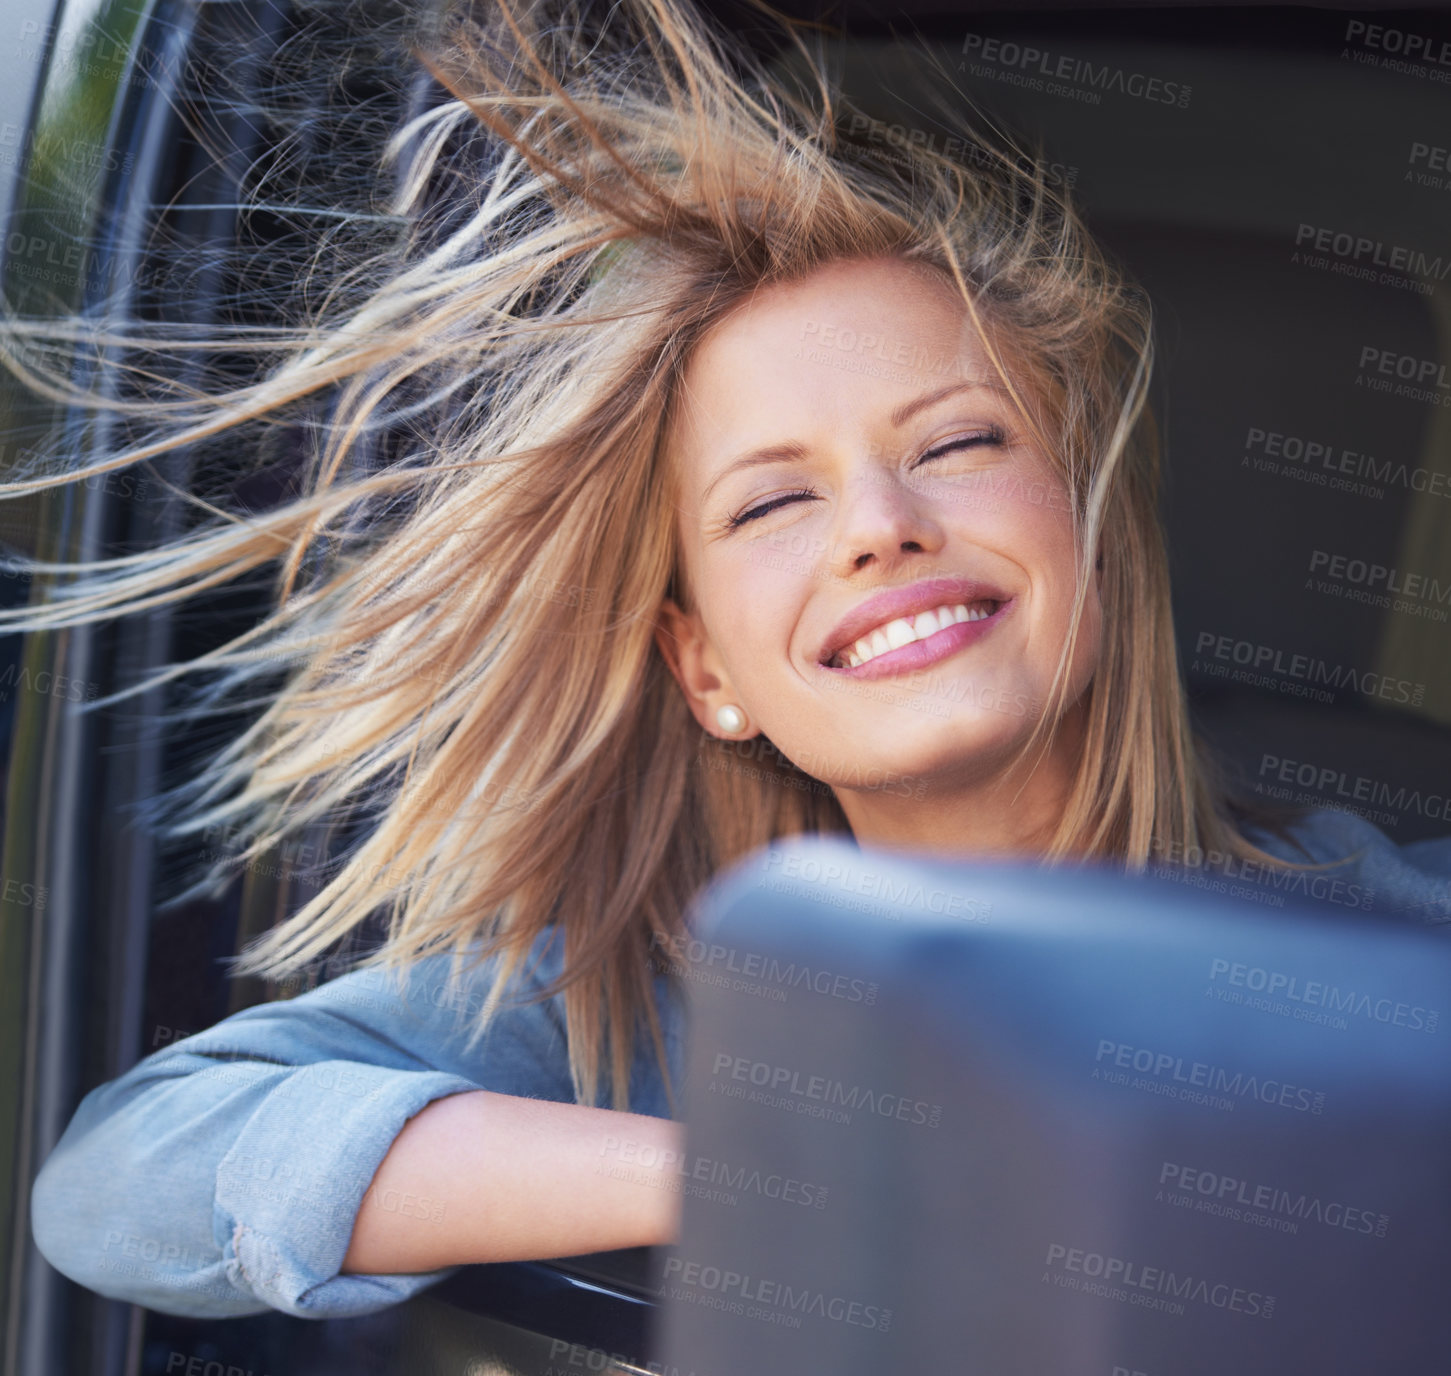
(1033, 526)
(752, 595)
(1044, 510)
(1035, 529)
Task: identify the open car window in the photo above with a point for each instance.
(1277, 179)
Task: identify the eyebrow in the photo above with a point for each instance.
(790, 451)
(794, 450)
(905, 412)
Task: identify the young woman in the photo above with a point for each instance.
(760, 486)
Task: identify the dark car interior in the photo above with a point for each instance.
(1235, 159)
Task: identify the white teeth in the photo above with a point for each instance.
(904, 630)
(899, 633)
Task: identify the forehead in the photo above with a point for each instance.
(846, 346)
(891, 316)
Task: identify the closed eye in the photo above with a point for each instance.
(751, 513)
(993, 435)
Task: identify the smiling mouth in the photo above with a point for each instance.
(907, 630)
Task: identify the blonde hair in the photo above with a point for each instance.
(468, 629)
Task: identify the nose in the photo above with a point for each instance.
(881, 521)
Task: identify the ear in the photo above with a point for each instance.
(691, 656)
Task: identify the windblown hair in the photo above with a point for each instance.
(468, 628)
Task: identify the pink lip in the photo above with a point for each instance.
(925, 596)
(921, 653)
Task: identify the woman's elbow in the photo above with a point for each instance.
(90, 1223)
(63, 1222)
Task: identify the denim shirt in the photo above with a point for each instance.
(223, 1175)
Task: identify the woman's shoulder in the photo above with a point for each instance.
(434, 1005)
(1412, 878)
(429, 990)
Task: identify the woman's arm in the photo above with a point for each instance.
(508, 1179)
(225, 1174)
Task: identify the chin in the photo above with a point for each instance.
(961, 749)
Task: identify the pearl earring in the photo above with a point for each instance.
(730, 719)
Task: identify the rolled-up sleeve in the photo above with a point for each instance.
(223, 1175)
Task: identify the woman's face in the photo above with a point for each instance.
(881, 555)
